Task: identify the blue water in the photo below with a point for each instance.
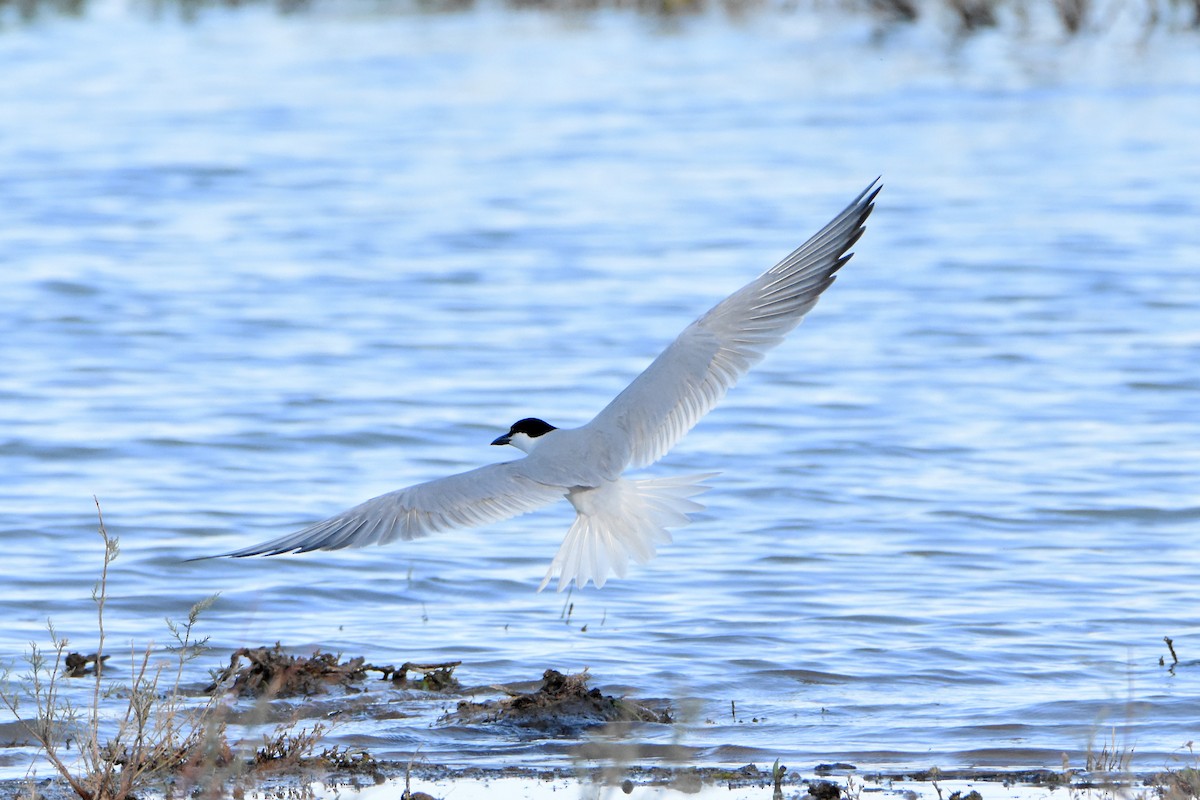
(257, 268)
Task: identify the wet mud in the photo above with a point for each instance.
(563, 703)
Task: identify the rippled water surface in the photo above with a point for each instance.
(257, 268)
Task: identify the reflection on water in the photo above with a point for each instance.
(260, 268)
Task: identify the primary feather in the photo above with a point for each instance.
(707, 359)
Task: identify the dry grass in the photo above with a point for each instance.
(1111, 757)
(156, 730)
(1181, 784)
(141, 733)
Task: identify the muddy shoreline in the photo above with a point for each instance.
(557, 705)
(821, 782)
(752, 775)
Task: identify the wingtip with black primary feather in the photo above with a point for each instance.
(837, 237)
(864, 204)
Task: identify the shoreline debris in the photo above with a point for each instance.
(563, 703)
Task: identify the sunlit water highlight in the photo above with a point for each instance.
(258, 268)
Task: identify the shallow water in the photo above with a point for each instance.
(260, 267)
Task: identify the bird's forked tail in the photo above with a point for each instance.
(624, 519)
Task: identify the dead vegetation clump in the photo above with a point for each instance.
(273, 672)
(289, 747)
(1183, 784)
(563, 703)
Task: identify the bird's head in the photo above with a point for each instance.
(524, 434)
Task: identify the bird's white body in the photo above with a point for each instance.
(617, 518)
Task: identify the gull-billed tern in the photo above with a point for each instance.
(617, 518)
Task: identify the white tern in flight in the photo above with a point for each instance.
(618, 518)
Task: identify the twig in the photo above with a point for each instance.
(100, 596)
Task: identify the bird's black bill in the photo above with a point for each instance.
(505, 439)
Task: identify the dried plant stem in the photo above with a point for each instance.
(155, 733)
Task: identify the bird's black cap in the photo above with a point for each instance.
(530, 426)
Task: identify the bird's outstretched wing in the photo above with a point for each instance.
(698, 368)
(480, 496)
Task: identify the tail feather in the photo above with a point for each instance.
(622, 520)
